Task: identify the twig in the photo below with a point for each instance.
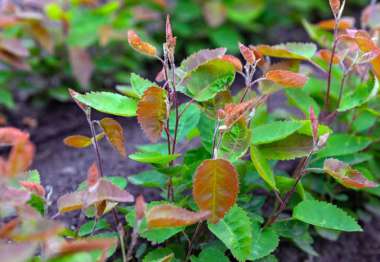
(193, 238)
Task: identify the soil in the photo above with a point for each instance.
(63, 168)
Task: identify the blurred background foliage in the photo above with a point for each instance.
(47, 46)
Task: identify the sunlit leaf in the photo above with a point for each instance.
(115, 134)
(346, 175)
(262, 166)
(235, 231)
(109, 103)
(286, 78)
(143, 47)
(152, 112)
(171, 216)
(302, 51)
(215, 187)
(325, 215)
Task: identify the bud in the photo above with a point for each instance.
(323, 140)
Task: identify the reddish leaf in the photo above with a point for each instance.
(20, 158)
(335, 6)
(234, 61)
(7, 228)
(201, 57)
(325, 55)
(140, 207)
(170, 39)
(234, 112)
(258, 55)
(346, 175)
(171, 216)
(77, 141)
(86, 245)
(12, 136)
(247, 53)
(152, 112)
(286, 78)
(215, 187)
(344, 23)
(314, 124)
(93, 175)
(81, 65)
(42, 35)
(143, 47)
(115, 134)
(33, 188)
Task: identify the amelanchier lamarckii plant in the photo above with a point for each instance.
(216, 158)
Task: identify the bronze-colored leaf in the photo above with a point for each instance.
(20, 158)
(93, 175)
(346, 175)
(115, 134)
(344, 23)
(143, 47)
(335, 6)
(325, 55)
(215, 187)
(77, 141)
(167, 215)
(86, 245)
(286, 78)
(152, 112)
(33, 188)
(247, 53)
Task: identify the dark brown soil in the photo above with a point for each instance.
(64, 168)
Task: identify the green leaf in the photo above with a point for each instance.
(360, 95)
(265, 241)
(189, 120)
(118, 181)
(302, 100)
(206, 127)
(159, 255)
(6, 98)
(110, 103)
(153, 157)
(235, 231)
(235, 141)
(210, 254)
(262, 166)
(306, 129)
(322, 37)
(292, 147)
(139, 84)
(156, 235)
(274, 131)
(285, 184)
(149, 178)
(343, 144)
(325, 215)
(87, 228)
(218, 37)
(33, 176)
(77, 257)
(209, 79)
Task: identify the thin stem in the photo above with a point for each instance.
(298, 174)
(193, 238)
(186, 107)
(342, 83)
(329, 77)
(250, 85)
(133, 243)
(95, 143)
(122, 243)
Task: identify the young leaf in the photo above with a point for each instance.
(301, 51)
(171, 216)
(286, 78)
(20, 158)
(215, 187)
(262, 166)
(247, 53)
(33, 188)
(152, 112)
(93, 175)
(346, 175)
(153, 157)
(325, 215)
(200, 58)
(278, 131)
(115, 134)
(235, 112)
(235, 231)
(209, 79)
(77, 141)
(326, 54)
(335, 7)
(140, 46)
(110, 103)
(85, 245)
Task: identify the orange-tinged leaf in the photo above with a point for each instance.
(152, 112)
(247, 53)
(42, 35)
(33, 187)
(70, 202)
(346, 175)
(93, 175)
(77, 141)
(215, 187)
(140, 207)
(234, 61)
(86, 245)
(171, 216)
(100, 208)
(143, 47)
(325, 55)
(8, 227)
(20, 158)
(286, 78)
(344, 23)
(12, 136)
(115, 134)
(234, 112)
(335, 6)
